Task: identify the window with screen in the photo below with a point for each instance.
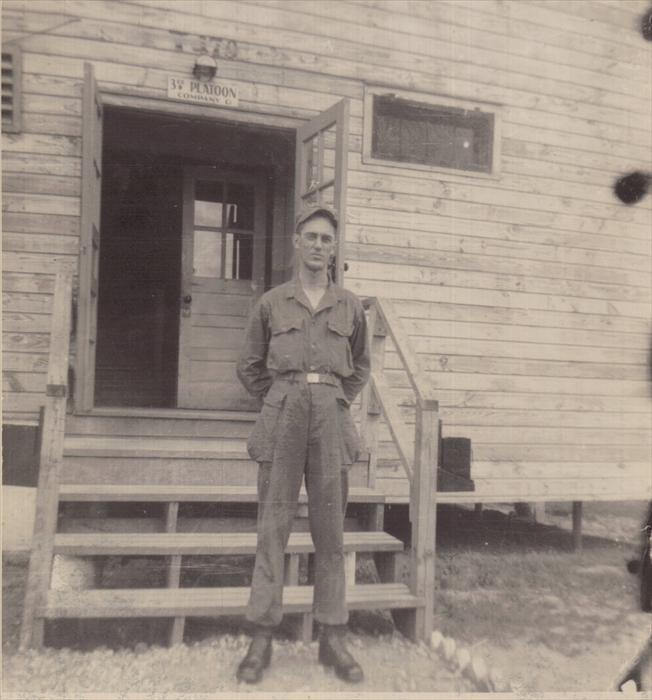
(445, 134)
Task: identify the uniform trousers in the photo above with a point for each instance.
(299, 434)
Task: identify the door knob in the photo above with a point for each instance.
(187, 299)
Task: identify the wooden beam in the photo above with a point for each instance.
(349, 567)
(174, 572)
(375, 517)
(198, 543)
(423, 505)
(202, 493)
(51, 458)
(209, 602)
(92, 124)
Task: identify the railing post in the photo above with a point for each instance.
(51, 457)
(424, 511)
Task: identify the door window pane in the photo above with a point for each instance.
(239, 250)
(312, 164)
(224, 226)
(240, 207)
(207, 254)
(208, 203)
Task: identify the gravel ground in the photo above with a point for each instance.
(512, 592)
(391, 664)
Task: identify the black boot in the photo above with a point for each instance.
(333, 653)
(258, 657)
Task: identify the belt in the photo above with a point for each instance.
(311, 378)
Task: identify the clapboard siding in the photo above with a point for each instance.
(440, 362)
(526, 296)
(400, 265)
(459, 418)
(517, 176)
(603, 280)
(41, 184)
(525, 317)
(26, 302)
(527, 185)
(455, 25)
(479, 193)
(20, 222)
(465, 244)
(372, 279)
(230, 22)
(369, 43)
(524, 401)
(500, 230)
(17, 202)
(530, 384)
(564, 43)
(44, 144)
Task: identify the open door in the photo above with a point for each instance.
(223, 273)
(321, 166)
(89, 258)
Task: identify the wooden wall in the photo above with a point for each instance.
(527, 297)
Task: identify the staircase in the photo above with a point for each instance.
(167, 464)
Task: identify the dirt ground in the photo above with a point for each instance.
(509, 590)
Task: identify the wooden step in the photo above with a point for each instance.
(164, 423)
(166, 460)
(157, 470)
(187, 494)
(137, 413)
(143, 447)
(202, 543)
(209, 602)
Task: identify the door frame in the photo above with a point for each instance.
(130, 99)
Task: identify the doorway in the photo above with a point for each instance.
(195, 215)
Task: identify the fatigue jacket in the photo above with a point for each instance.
(284, 335)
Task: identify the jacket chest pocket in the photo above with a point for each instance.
(340, 329)
(285, 344)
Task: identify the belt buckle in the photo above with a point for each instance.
(312, 377)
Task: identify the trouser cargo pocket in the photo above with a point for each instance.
(262, 440)
(350, 443)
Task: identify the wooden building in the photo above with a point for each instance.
(471, 148)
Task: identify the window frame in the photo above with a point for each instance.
(427, 100)
(16, 124)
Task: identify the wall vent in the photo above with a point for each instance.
(11, 89)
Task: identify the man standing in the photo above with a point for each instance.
(306, 356)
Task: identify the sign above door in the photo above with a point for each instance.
(222, 93)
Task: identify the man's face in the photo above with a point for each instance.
(315, 243)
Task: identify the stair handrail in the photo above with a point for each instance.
(419, 453)
(50, 460)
